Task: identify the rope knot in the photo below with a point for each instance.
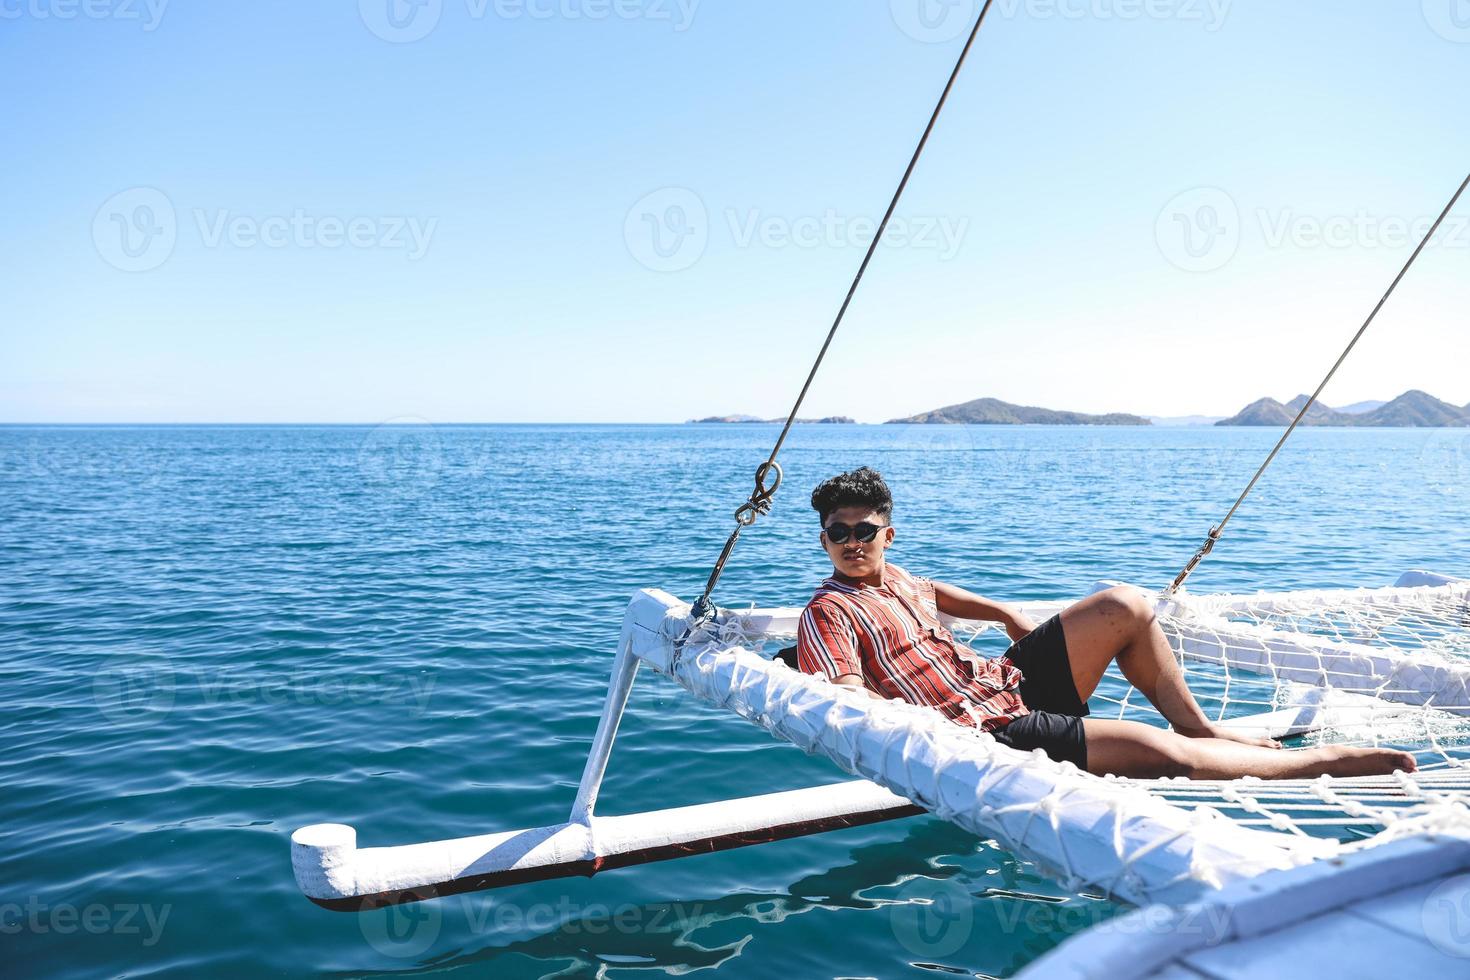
(760, 498)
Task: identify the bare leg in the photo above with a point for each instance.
(1131, 748)
(1119, 624)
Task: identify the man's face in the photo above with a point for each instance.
(854, 558)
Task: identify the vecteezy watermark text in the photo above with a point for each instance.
(148, 13)
(138, 229)
(146, 689)
(1209, 922)
(407, 931)
(938, 917)
(64, 919)
(939, 21)
(830, 229)
(406, 21)
(302, 229)
(1361, 229)
(669, 230)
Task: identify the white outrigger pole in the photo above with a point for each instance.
(336, 874)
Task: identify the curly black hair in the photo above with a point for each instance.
(862, 487)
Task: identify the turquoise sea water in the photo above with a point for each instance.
(214, 635)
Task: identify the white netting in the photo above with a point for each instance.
(1386, 667)
(1381, 667)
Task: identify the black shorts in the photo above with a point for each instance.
(1054, 724)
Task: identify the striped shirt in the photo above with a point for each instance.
(891, 636)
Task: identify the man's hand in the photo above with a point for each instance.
(1019, 626)
(855, 682)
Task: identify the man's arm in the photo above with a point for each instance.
(826, 645)
(954, 601)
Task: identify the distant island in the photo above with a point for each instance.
(829, 420)
(1412, 409)
(993, 411)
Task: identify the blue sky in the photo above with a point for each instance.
(647, 210)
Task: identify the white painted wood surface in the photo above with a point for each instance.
(1400, 909)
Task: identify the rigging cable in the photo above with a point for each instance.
(1215, 532)
(760, 498)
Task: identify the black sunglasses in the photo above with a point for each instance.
(837, 532)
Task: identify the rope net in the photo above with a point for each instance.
(1385, 667)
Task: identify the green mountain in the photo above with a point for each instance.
(1412, 409)
(1415, 408)
(1322, 413)
(993, 411)
(1263, 411)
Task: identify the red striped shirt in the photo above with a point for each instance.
(891, 636)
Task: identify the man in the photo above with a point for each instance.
(874, 627)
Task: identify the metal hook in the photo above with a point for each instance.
(760, 499)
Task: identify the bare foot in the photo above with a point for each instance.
(1229, 735)
(1345, 760)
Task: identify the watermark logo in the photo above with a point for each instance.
(403, 931)
(667, 230)
(404, 457)
(934, 21)
(131, 689)
(1450, 19)
(148, 13)
(937, 919)
(1199, 230)
(1445, 916)
(400, 21)
(136, 230)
